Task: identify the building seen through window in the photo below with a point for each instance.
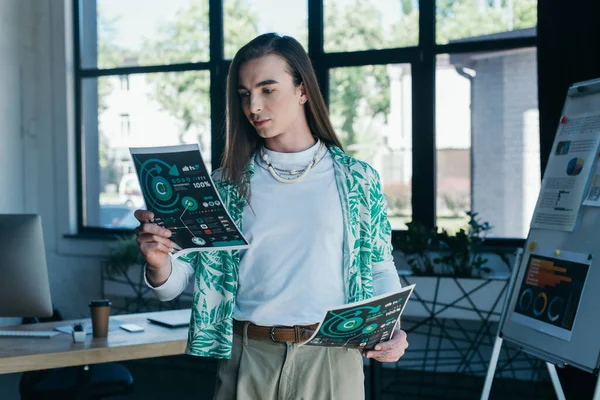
(486, 120)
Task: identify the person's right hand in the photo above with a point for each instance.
(153, 241)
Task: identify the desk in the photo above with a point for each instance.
(26, 354)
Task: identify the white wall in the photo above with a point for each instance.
(37, 148)
(37, 142)
(11, 155)
(11, 174)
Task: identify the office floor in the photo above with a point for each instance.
(184, 377)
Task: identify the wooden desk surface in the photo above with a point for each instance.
(18, 354)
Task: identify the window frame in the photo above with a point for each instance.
(422, 60)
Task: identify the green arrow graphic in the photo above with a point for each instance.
(173, 171)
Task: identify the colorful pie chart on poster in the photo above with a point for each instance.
(575, 166)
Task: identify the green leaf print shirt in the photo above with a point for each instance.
(366, 254)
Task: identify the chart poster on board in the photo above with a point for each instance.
(567, 173)
(551, 291)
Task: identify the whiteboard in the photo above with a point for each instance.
(582, 349)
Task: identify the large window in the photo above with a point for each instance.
(352, 25)
(371, 112)
(440, 97)
(245, 19)
(487, 139)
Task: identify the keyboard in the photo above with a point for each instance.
(30, 334)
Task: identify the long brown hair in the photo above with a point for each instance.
(242, 140)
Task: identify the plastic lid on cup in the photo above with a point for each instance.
(100, 303)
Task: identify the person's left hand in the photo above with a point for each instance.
(390, 351)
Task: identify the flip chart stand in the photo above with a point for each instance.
(489, 378)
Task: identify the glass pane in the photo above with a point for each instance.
(462, 19)
(353, 25)
(246, 19)
(371, 111)
(140, 110)
(116, 33)
(487, 136)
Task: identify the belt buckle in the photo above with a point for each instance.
(272, 334)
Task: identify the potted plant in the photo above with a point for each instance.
(454, 303)
(449, 270)
(122, 255)
(123, 279)
(416, 247)
(461, 253)
(122, 275)
(78, 332)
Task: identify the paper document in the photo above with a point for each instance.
(179, 191)
(551, 291)
(363, 324)
(567, 173)
(593, 196)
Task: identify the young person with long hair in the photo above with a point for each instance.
(317, 222)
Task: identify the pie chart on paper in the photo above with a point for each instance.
(575, 166)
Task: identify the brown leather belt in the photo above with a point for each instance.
(290, 334)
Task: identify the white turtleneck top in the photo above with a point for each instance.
(293, 270)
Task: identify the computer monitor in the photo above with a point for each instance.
(24, 286)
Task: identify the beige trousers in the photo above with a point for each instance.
(265, 370)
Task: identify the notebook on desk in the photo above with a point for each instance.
(172, 319)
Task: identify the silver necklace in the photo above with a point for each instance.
(302, 172)
(288, 172)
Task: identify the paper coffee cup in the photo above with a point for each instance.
(100, 310)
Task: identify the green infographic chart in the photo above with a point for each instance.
(361, 325)
(178, 189)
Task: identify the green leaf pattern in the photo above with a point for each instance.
(367, 239)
